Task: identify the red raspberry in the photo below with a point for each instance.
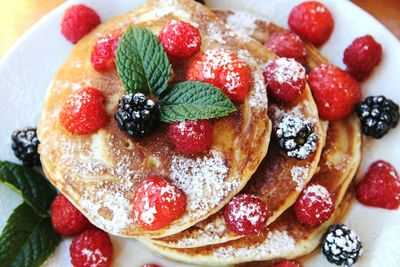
(246, 214)
(180, 39)
(285, 79)
(78, 21)
(66, 219)
(223, 70)
(103, 53)
(191, 136)
(314, 206)
(157, 203)
(287, 44)
(362, 56)
(91, 248)
(286, 264)
(335, 91)
(312, 21)
(84, 112)
(380, 186)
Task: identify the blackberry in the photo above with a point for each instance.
(296, 137)
(137, 115)
(25, 146)
(377, 115)
(341, 245)
(201, 2)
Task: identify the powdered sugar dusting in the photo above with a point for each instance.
(287, 71)
(243, 23)
(299, 176)
(94, 256)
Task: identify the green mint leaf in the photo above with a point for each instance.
(194, 101)
(27, 239)
(32, 186)
(142, 64)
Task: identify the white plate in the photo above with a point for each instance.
(27, 70)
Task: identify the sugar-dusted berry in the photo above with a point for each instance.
(103, 52)
(380, 186)
(335, 91)
(92, 247)
(246, 214)
(191, 136)
(286, 264)
(223, 70)
(84, 112)
(285, 79)
(287, 44)
(362, 56)
(25, 145)
(180, 39)
(157, 203)
(78, 21)
(66, 219)
(315, 205)
(312, 21)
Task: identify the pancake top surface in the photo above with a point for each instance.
(99, 172)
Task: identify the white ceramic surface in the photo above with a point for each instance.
(27, 69)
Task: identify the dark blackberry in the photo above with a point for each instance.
(137, 115)
(341, 245)
(201, 2)
(377, 115)
(25, 146)
(296, 137)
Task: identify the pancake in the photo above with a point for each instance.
(99, 173)
(286, 237)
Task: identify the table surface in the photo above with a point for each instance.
(17, 16)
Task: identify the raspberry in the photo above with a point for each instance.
(66, 219)
(103, 53)
(246, 214)
(286, 264)
(157, 203)
(287, 44)
(380, 186)
(78, 21)
(314, 206)
(191, 136)
(223, 70)
(285, 79)
(91, 248)
(84, 112)
(312, 21)
(362, 56)
(180, 39)
(336, 92)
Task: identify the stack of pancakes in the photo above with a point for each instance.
(99, 173)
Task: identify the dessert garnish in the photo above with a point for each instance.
(377, 115)
(103, 52)
(296, 137)
(25, 144)
(287, 44)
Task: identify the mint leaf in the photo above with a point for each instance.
(27, 239)
(142, 64)
(194, 101)
(32, 186)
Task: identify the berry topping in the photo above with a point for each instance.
(191, 136)
(285, 79)
(377, 115)
(246, 214)
(66, 219)
(25, 143)
(287, 44)
(296, 137)
(103, 53)
(84, 112)
(362, 56)
(78, 21)
(223, 70)
(286, 264)
(380, 187)
(180, 39)
(335, 92)
(314, 205)
(92, 247)
(312, 21)
(341, 245)
(157, 203)
(201, 2)
(137, 114)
